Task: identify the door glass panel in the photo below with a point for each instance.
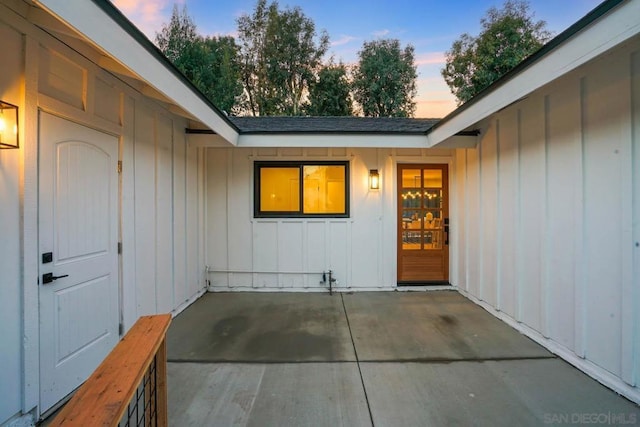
(433, 239)
(411, 198)
(411, 240)
(411, 219)
(432, 198)
(411, 178)
(432, 178)
(422, 198)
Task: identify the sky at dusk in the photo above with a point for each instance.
(430, 26)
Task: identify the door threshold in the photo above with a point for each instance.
(424, 283)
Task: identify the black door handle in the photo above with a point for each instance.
(446, 231)
(49, 277)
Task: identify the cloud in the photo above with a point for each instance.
(381, 33)
(430, 58)
(344, 39)
(147, 15)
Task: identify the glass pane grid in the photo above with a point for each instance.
(295, 189)
(422, 201)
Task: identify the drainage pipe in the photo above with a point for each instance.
(324, 274)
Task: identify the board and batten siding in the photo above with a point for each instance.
(549, 206)
(247, 253)
(162, 193)
(10, 236)
(162, 181)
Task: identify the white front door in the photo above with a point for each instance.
(78, 232)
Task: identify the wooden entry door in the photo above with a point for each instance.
(423, 224)
(78, 231)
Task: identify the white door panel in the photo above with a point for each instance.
(78, 199)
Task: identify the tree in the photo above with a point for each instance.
(281, 53)
(507, 37)
(330, 94)
(385, 79)
(211, 63)
(178, 35)
(219, 75)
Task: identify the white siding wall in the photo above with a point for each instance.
(246, 253)
(162, 181)
(162, 214)
(10, 237)
(550, 217)
(162, 191)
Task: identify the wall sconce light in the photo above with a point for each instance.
(8, 125)
(374, 179)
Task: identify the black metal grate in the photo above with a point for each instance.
(143, 407)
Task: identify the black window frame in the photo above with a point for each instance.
(258, 165)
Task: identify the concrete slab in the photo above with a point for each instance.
(496, 393)
(431, 326)
(309, 394)
(261, 327)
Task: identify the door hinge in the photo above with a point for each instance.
(119, 166)
(119, 248)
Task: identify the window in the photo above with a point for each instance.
(298, 189)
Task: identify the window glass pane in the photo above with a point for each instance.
(324, 189)
(280, 189)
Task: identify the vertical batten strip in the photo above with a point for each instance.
(519, 258)
(626, 221)
(581, 235)
(29, 194)
(546, 238)
(632, 332)
(499, 224)
(480, 253)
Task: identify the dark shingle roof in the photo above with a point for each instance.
(340, 125)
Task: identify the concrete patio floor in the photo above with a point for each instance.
(362, 359)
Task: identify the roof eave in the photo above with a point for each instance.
(105, 27)
(583, 41)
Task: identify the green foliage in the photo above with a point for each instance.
(385, 79)
(330, 94)
(177, 35)
(507, 37)
(280, 54)
(211, 63)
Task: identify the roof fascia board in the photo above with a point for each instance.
(103, 31)
(621, 24)
(204, 140)
(341, 133)
(333, 140)
(459, 141)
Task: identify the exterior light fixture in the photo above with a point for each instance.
(8, 125)
(374, 179)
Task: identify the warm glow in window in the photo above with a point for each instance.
(280, 189)
(324, 190)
